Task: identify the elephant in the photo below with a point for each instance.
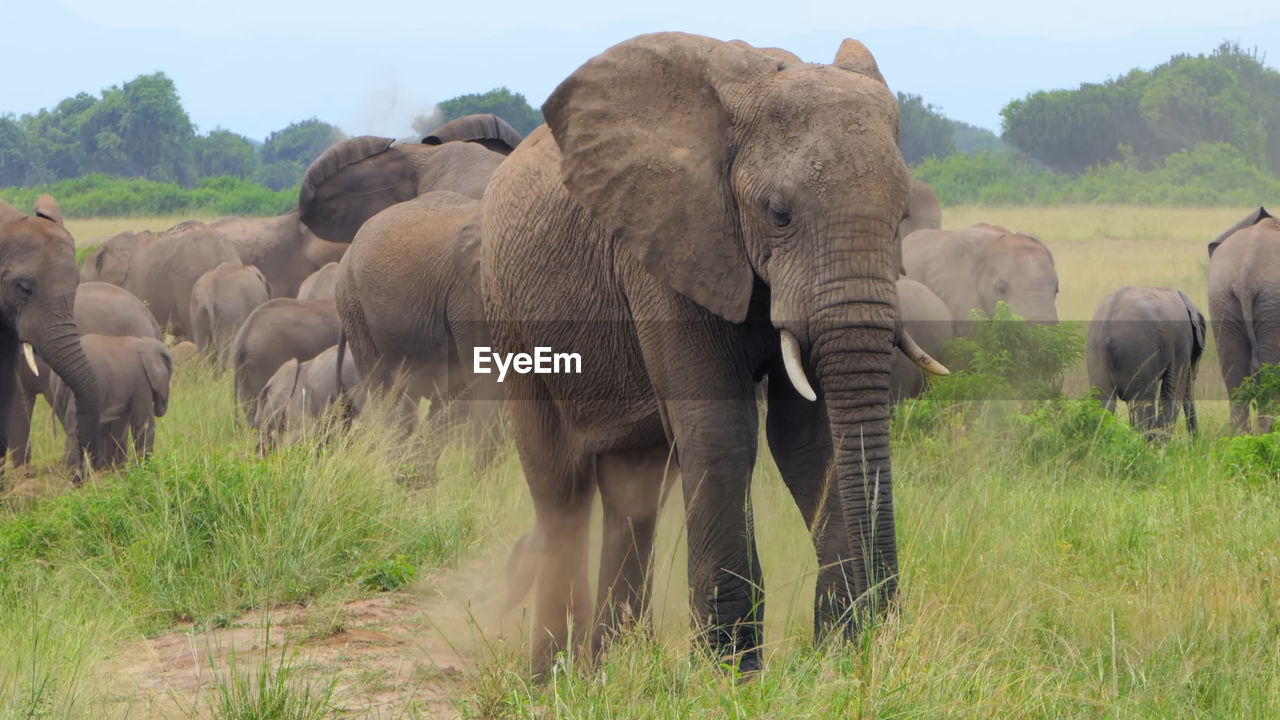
(275, 332)
(356, 179)
(108, 261)
(163, 271)
(38, 280)
(183, 351)
(490, 131)
(133, 384)
(220, 301)
(281, 247)
(924, 212)
(1144, 347)
(978, 266)
(320, 284)
(408, 293)
(299, 392)
(694, 216)
(1244, 304)
(927, 318)
(101, 309)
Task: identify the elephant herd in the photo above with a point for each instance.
(695, 218)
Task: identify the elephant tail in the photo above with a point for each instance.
(343, 400)
(1246, 316)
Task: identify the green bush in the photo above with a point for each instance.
(98, 195)
(1079, 430)
(1261, 392)
(1252, 457)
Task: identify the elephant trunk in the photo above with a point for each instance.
(60, 346)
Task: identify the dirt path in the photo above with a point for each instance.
(406, 654)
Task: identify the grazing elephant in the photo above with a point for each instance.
(320, 284)
(356, 179)
(220, 301)
(300, 392)
(100, 309)
(1244, 304)
(133, 375)
(275, 332)
(164, 269)
(38, 281)
(490, 131)
(108, 261)
(978, 266)
(928, 320)
(924, 212)
(697, 215)
(1144, 347)
(281, 247)
(409, 296)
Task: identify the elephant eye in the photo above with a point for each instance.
(24, 286)
(779, 212)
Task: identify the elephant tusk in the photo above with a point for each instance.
(29, 354)
(795, 369)
(918, 356)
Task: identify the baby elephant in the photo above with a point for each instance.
(1144, 347)
(133, 382)
(300, 392)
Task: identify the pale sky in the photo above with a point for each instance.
(254, 66)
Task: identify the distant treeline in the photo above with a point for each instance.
(1196, 130)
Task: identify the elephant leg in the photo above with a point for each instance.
(1235, 356)
(630, 487)
(1169, 395)
(800, 442)
(24, 404)
(562, 485)
(1266, 330)
(144, 436)
(1186, 395)
(116, 441)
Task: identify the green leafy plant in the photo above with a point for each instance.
(390, 574)
(1261, 391)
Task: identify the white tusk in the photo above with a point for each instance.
(919, 356)
(795, 369)
(30, 355)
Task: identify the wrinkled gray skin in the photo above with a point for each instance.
(164, 269)
(927, 318)
(221, 300)
(1144, 347)
(274, 333)
(924, 212)
(101, 309)
(409, 296)
(691, 199)
(133, 375)
(1244, 304)
(109, 260)
(978, 266)
(320, 284)
(281, 247)
(300, 392)
(38, 281)
(488, 130)
(357, 178)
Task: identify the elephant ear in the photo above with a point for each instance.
(1249, 220)
(157, 365)
(1197, 327)
(466, 259)
(48, 208)
(644, 131)
(490, 131)
(9, 212)
(265, 283)
(351, 182)
(855, 57)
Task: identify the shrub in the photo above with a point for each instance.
(98, 195)
(1081, 430)
(1260, 392)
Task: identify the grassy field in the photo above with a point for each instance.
(1048, 571)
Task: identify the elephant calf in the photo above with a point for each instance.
(1144, 347)
(221, 300)
(320, 284)
(274, 333)
(133, 385)
(300, 392)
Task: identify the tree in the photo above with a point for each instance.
(923, 130)
(511, 107)
(223, 152)
(300, 142)
(17, 161)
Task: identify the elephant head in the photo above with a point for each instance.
(729, 172)
(273, 399)
(109, 261)
(1198, 328)
(1018, 269)
(1249, 220)
(38, 281)
(490, 131)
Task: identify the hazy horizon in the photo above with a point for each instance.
(254, 66)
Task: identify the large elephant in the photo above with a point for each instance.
(357, 178)
(978, 266)
(38, 280)
(408, 292)
(221, 300)
(924, 212)
(164, 268)
(281, 247)
(697, 215)
(928, 320)
(1244, 303)
(1144, 347)
(275, 332)
(100, 309)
